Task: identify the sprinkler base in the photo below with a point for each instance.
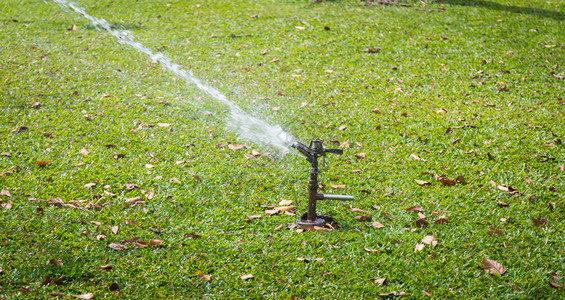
(308, 223)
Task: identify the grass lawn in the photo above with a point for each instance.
(120, 179)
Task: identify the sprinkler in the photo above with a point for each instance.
(312, 153)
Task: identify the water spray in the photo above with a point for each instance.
(312, 153)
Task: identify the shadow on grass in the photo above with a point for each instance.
(509, 8)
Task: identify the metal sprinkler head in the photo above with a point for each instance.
(312, 153)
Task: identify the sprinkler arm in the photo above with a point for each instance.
(312, 153)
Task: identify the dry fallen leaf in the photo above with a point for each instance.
(417, 208)
(192, 235)
(492, 267)
(342, 127)
(380, 280)
(416, 157)
(421, 223)
(201, 276)
(422, 183)
(83, 151)
(371, 250)
(285, 202)
(105, 267)
(114, 287)
(378, 225)
(118, 247)
(445, 181)
(363, 218)
(156, 243)
(84, 296)
(461, 179)
(539, 222)
(246, 276)
(429, 240)
(360, 155)
(6, 193)
(442, 111)
(114, 229)
(562, 168)
(353, 209)
(555, 285)
(394, 294)
(419, 247)
(236, 147)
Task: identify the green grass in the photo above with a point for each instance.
(494, 65)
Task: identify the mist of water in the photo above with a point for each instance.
(245, 125)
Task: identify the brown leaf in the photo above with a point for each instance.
(56, 294)
(442, 111)
(553, 275)
(353, 209)
(380, 280)
(372, 50)
(363, 218)
(539, 222)
(6, 193)
(72, 28)
(422, 183)
(236, 147)
(90, 185)
(361, 155)
(7, 154)
(496, 231)
(42, 163)
(279, 227)
(492, 267)
(393, 294)
(83, 151)
(271, 212)
(118, 247)
(378, 225)
(19, 129)
(371, 250)
(461, 179)
(416, 157)
(246, 276)
(419, 247)
(555, 285)
(59, 279)
(421, 223)
(105, 267)
(156, 243)
(114, 229)
(445, 181)
(56, 262)
(502, 204)
(114, 287)
(192, 235)
(417, 208)
(562, 168)
(84, 296)
(342, 127)
(201, 276)
(429, 240)
(427, 293)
